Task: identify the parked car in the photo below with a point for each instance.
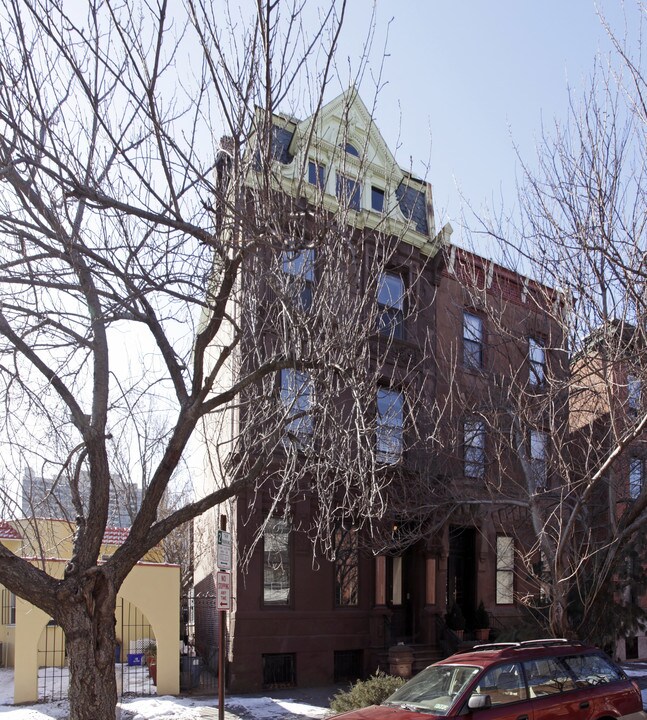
(534, 680)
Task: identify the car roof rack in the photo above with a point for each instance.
(548, 641)
(541, 642)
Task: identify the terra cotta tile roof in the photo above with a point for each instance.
(8, 532)
(115, 535)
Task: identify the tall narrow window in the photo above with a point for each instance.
(537, 359)
(346, 567)
(634, 392)
(538, 457)
(390, 419)
(395, 582)
(299, 270)
(472, 341)
(276, 562)
(8, 608)
(316, 174)
(636, 472)
(474, 448)
(504, 570)
(297, 394)
(390, 302)
(349, 192)
(377, 199)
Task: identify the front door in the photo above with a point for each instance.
(461, 571)
(405, 594)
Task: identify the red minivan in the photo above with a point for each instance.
(534, 680)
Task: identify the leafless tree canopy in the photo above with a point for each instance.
(144, 286)
(581, 231)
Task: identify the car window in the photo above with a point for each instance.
(436, 688)
(592, 669)
(504, 684)
(547, 676)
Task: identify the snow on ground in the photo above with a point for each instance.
(164, 707)
(637, 671)
(187, 708)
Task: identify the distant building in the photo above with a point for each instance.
(52, 498)
(608, 399)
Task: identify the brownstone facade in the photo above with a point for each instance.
(300, 618)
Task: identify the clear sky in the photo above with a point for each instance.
(467, 79)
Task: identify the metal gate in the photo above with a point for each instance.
(53, 674)
(136, 652)
(199, 629)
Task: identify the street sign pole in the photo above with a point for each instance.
(221, 644)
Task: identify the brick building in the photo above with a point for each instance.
(300, 618)
(607, 419)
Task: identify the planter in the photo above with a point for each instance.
(401, 661)
(482, 634)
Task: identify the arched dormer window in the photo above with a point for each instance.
(351, 150)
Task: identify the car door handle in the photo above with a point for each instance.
(522, 717)
(584, 705)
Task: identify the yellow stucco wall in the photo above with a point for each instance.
(153, 588)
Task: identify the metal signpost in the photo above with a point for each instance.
(223, 595)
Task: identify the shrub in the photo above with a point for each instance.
(366, 692)
(481, 617)
(455, 619)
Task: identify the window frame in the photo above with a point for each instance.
(378, 192)
(346, 567)
(348, 191)
(285, 565)
(474, 452)
(316, 174)
(537, 366)
(8, 607)
(388, 452)
(391, 311)
(635, 488)
(634, 393)
(504, 573)
(473, 343)
(298, 268)
(292, 384)
(538, 463)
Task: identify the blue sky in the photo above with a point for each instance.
(467, 79)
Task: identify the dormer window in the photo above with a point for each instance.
(351, 150)
(316, 174)
(377, 199)
(349, 192)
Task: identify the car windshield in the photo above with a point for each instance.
(434, 689)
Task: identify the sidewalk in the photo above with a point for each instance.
(288, 704)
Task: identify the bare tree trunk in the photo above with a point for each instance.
(558, 621)
(89, 626)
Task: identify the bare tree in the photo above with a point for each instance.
(149, 270)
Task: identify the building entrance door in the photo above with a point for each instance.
(461, 571)
(405, 594)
